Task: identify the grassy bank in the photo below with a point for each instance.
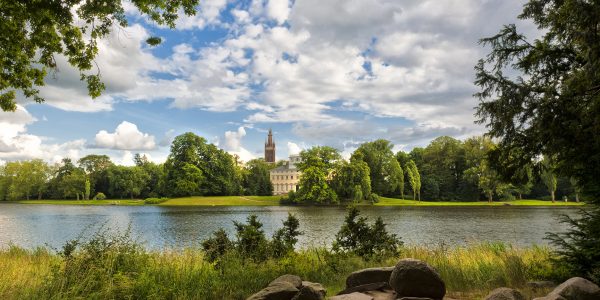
(126, 271)
(383, 201)
(274, 201)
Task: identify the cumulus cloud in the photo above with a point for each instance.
(127, 136)
(233, 144)
(17, 144)
(293, 148)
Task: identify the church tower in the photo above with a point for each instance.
(270, 148)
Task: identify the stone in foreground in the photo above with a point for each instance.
(576, 288)
(366, 287)
(370, 275)
(415, 278)
(284, 287)
(505, 294)
(352, 296)
(311, 291)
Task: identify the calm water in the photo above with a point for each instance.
(158, 227)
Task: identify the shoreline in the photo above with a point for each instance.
(274, 201)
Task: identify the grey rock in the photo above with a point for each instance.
(370, 275)
(551, 297)
(415, 278)
(293, 279)
(382, 294)
(414, 298)
(537, 285)
(311, 291)
(577, 288)
(352, 296)
(276, 291)
(366, 287)
(505, 294)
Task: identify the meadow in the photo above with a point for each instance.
(119, 269)
(274, 201)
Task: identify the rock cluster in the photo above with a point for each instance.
(410, 279)
(290, 287)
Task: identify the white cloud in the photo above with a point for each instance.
(279, 10)
(233, 144)
(126, 137)
(293, 148)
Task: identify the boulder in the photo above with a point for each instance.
(551, 297)
(414, 298)
(311, 291)
(370, 275)
(293, 279)
(352, 296)
(382, 295)
(276, 291)
(284, 287)
(415, 278)
(576, 288)
(538, 285)
(505, 294)
(366, 287)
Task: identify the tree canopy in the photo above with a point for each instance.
(35, 33)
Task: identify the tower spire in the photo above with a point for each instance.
(270, 148)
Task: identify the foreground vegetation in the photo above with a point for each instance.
(124, 270)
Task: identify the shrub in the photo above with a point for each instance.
(374, 198)
(217, 245)
(155, 200)
(251, 240)
(100, 196)
(284, 239)
(356, 236)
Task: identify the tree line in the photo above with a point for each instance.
(447, 169)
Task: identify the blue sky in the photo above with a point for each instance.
(332, 73)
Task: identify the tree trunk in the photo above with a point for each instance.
(39, 195)
(576, 197)
(552, 194)
(520, 196)
(419, 196)
(490, 199)
(27, 195)
(77, 196)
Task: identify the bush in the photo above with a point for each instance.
(374, 198)
(100, 196)
(356, 236)
(285, 238)
(217, 246)
(251, 241)
(155, 200)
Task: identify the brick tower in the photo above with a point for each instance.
(270, 148)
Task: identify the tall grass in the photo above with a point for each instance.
(116, 268)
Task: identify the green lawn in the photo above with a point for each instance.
(224, 201)
(85, 202)
(274, 201)
(383, 201)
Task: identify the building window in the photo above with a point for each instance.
(292, 177)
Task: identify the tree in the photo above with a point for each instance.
(24, 179)
(87, 189)
(351, 180)
(548, 176)
(576, 188)
(257, 178)
(41, 31)
(318, 163)
(479, 170)
(414, 179)
(200, 168)
(542, 97)
(385, 172)
(96, 166)
(127, 181)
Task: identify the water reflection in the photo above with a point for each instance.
(160, 227)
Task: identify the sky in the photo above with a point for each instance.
(336, 73)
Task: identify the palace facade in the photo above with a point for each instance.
(285, 178)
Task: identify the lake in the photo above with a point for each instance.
(173, 227)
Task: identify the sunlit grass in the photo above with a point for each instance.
(224, 201)
(127, 202)
(383, 201)
(470, 272)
